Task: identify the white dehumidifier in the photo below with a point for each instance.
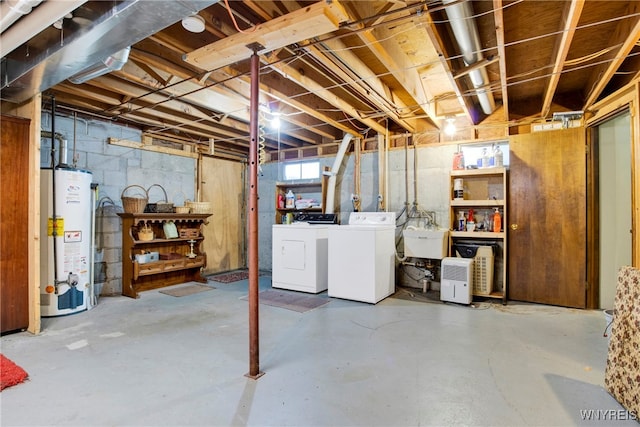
(456, 280)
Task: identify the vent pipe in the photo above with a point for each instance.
(331, 184)
(465, 31)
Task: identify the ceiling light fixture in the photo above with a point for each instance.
(275, 121)
(450, 127)
(193, 23)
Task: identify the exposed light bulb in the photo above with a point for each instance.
(450, 127)
(275, 121)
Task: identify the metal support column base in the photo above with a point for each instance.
(254, 377)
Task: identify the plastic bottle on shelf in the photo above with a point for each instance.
(498, 157)
(280, 201)
(485, 158)
(497, 221)
(290, 200)
(462, 221)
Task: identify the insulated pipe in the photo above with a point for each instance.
(331, 184)
(38, 20)
(254, 346)
(12, 10)
(466, 33)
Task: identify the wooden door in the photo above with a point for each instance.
(223, 183)
(14, 226)
(547, 218)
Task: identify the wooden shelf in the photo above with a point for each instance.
(138, 277)
(316, 189)
(484, 189)
(477, 203)
(496, 171)
(477, 234)
(496, 295)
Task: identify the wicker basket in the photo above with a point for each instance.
(161, 206)
(189, 233)
(199, 207)
(134, 204)
(145, 233)
(181, 209)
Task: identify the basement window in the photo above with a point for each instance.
(302, 170)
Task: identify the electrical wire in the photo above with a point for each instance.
(233, 19)
(262, 154)
(269, 68)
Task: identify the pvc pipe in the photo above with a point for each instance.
(12, 10)
(42, 17)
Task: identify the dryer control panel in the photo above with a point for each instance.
(372, 218)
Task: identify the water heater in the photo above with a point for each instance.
(65, 241)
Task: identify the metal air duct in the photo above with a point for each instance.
(109, 29)
(465, 31)
(12, 10)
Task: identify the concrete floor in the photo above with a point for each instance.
(167, 361)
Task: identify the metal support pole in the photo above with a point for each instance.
(254, 348)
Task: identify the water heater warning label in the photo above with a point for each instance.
(59, 226)
(72, 236)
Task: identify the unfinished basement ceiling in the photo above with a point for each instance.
(364, 67)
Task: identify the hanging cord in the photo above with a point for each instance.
(233, 18)
(262, 155)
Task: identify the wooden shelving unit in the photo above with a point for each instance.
(136, 276)
(484, 190)
(314, 190)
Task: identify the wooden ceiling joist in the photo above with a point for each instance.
(570, 19)
(312, 21)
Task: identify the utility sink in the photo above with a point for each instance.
(424, 243)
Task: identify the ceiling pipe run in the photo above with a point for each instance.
(110, 30)
(465, 31)
(12, 10)
(40, 18)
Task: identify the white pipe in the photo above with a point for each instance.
(466, 33)
(42, 17)
(331, 184)
(12, 10)
(92, 300)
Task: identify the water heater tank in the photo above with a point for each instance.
(65, 283)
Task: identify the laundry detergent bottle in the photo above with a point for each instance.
(290, 200)
(497, 221)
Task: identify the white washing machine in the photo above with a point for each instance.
(299, 257)
(362, 257)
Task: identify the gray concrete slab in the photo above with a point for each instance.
(167, 361)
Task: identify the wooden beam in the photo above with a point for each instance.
(295, 75)
(480, 64)
(150, 147)
(312, 21)
(438, 44)
(626, 35)
(499, 20)
(337, 55)
(570, 18)
(274, 89)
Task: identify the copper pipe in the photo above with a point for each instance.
(254, 335)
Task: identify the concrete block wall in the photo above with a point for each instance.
(113, 169)
(432, 184)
